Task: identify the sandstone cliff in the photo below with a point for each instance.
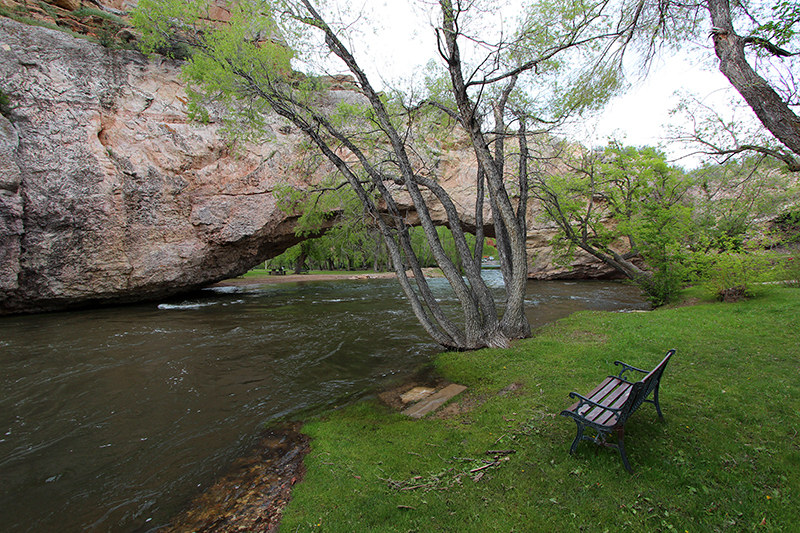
(109, 194)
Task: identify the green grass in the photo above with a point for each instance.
(726, 457)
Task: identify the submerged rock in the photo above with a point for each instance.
(251, 496)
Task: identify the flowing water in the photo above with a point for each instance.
(112, 419)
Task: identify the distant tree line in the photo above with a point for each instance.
(356, 246)
(662, 226)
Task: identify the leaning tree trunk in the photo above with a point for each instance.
(481, 325)
(514, 324)
(769, 107)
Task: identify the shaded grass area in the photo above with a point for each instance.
(726, 457)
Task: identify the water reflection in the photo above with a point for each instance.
(111, 419)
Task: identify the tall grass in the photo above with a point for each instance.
(726, 457)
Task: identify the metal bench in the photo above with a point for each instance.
(607, 408)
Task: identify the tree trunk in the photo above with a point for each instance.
(769, 107)
(301, 260)
(514, 324)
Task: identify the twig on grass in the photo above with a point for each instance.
(500, 452)
(451, 476)
(415, 487)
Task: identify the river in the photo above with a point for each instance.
(112, 419)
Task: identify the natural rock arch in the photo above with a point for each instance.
(109, 194)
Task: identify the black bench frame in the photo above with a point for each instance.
(607, 408)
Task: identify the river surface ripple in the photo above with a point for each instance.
(112, 419)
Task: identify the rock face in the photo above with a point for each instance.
(10, 207)
(109, 194)
(543, 263)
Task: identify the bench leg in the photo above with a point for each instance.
(621, 447)
(655, 401)
(578, 438)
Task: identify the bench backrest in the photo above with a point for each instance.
(642, 389)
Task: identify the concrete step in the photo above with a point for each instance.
(433, 402)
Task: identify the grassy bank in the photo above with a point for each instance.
(726, 457)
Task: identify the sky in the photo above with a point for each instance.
(641, 115)
(399, 40)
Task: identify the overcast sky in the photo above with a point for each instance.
(401, 40)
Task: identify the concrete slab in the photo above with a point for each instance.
(433, 402)
(416, 394)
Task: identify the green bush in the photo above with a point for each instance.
(791, 271)
(91, 12)
(730, 276)
(5, 104)
(665, 284)
(787, 227)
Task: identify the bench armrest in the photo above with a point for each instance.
(626, 367)
(583, 400)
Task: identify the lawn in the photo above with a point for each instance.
(725, 458)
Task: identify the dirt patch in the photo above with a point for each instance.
(252, 495)
(510, 388)
(457, 408)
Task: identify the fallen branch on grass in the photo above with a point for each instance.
(444, 480)
(500, 452)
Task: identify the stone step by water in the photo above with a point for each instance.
(433, 401)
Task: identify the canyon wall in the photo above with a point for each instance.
(109, 194)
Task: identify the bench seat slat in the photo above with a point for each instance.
(613, 398)
(611, 392)
(601, 390)
(620, 397)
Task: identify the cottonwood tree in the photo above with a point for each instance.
(626, 207)
(758, 48)
(252, 64)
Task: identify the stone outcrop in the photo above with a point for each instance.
(109, 194)
(10, 207)
(544, 263)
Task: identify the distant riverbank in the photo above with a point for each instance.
(260, 279)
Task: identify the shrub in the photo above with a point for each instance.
(5, 104)
(730, 276)
(791, 271)
(665, 284)
(787, 227)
